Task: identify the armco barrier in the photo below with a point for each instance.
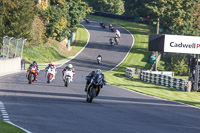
(158, 78)
(8, 66)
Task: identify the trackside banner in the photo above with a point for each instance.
(182, 44)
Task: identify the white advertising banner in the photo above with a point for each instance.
(182, 44)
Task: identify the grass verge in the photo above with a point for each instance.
(8, 128)
(53, 51)
(138, 57)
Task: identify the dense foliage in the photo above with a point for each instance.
(61, 17)
(38, 20)
(136, 8)
(113, 6)
(176, 17)
(16, 17)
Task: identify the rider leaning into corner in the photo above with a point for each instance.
(117, 33)
(69, 67)
(34, 65)
(90, 76)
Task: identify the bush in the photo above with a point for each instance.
(177, 63)
(38, 31)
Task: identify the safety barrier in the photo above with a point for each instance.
(130, 72)
(161, 78)
(8, 66)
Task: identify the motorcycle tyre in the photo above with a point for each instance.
(29, 78)
(92, 95)
(48, 78)
(67, 82)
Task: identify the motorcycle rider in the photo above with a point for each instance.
(111, 40)
(99, 56)
(68, 67)
(117, 33)
(102, 24)
(116, 39)
(34, 65)
(111, 27)
(52, 65)
(91, 75)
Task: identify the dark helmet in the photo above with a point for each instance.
(98, 71)
(34, 63)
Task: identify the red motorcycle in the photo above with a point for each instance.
(32, 75)
(116, 40)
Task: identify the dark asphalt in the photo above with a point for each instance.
(53, 108)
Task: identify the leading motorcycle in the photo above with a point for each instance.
(94, 87)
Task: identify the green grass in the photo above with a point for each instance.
(138, 57)
(51, 51)
(8, 128)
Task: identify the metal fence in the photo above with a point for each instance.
(12, 47)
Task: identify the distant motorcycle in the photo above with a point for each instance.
(94, 87)
(68, 77)
(102, 25)
(111, 40)
(116, 40)
(111, 28)
(31, 75)
(99, 59)
(51, 73)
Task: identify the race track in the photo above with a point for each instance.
(53, 108)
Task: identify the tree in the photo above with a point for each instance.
(135, 7)
(112, 6)
(62, 17)
(176, 17)
(16, 18)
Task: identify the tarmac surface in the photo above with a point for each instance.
(53, 108)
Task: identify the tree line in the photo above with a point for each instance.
(37, 20)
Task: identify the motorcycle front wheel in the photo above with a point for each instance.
(91, 95)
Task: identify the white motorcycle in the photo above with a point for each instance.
(51, 73)
(68, 77)
(99, 59)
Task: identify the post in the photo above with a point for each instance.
(9, 47)
(158, 26)
(23, 46)
(16, 47)
(196, 76)
(157, 54)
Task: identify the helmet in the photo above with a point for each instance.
(52, 64)
(98, 71)
(110, 24)
(34, 63)
(70, 66)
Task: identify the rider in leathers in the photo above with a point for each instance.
(90, 76)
